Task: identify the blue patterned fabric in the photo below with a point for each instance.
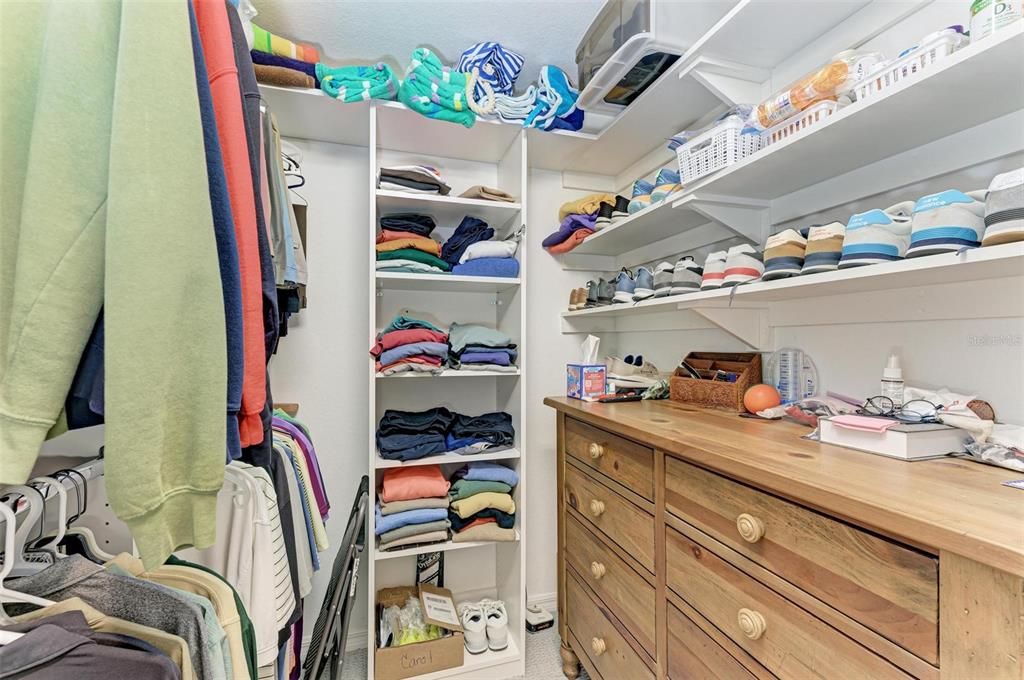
(498, 67)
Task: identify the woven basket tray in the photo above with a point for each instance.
(711, 393)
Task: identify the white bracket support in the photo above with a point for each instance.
(748, 325)
(746, 217)
(732, 83)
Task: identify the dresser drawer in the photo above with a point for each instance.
(889, 588)
(618, 519)
(600, 640)
(693, 655)
(628, 596)
(784, 638)
(626, 462)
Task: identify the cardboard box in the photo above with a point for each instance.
(585, 381)
(396, 663)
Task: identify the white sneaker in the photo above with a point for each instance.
(474, 627)
(497, 624)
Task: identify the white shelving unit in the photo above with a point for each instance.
(490, 154)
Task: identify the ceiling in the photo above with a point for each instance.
(366, 31)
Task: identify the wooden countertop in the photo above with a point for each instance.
(948, 504)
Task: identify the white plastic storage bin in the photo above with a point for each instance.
(909, 66)
(717, 148)
(806, 119)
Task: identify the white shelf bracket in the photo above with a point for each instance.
(748, 325)
(732, 83)
(587, 263)
(748, 218)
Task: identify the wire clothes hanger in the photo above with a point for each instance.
(62, 516)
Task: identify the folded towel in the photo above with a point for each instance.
(488, 194)
(504, 267)
(415, 256)
(422, 481)
(484, 532)
(481, 501)
(577, 237)
(265, 41)
(413, 530)
(495, 65)
(405, 335)
(264, 59)
(421, 243)
(282, 77)
(432, 89)
(401, 519)
(464, 488)
(588, 205)
(358, 83)
(555, 108)
(503, 519)
(415, 539)
(415, 223)
(412, 504)
(487, 471)
(496, 249)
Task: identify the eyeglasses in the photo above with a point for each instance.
(913, 411)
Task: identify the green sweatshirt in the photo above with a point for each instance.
(104, 201)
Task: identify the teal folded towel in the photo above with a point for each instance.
(358, 83)
(434, 90)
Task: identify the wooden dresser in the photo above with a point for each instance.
(697, 544)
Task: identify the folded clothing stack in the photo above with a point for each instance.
(404, 245)
(470, 230)
(409, 435)
(358, 83)
(479, 348)
(410, 345)
(413, 179)
(490, 258)
(272, 69)
(482, 508)
(412, 507)
(578, 221)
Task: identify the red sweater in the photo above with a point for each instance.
(215, 35)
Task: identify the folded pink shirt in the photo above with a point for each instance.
(863, 423)
(406, 484)
(405, 337)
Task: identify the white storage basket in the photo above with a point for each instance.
(791, 126)
(717, 148)
(909, 66)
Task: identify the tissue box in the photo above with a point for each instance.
(585, 381)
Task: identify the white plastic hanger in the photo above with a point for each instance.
(62, 513)
(17, 564)
(7, 595)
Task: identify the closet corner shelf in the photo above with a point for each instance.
(992, 262)
(405, 281)
(437, 547)
(448, 459)
(446, 210)
(449, 373)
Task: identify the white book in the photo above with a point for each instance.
(906, 441)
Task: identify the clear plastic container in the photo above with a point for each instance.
(618, 21)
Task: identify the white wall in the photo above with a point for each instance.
(321, 363)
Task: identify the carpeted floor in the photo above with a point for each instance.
(542, 660)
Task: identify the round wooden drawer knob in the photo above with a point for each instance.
(597, 646)
(751, 623)
(596, 508)
(596, 450)
(751, 528)
(597, 569)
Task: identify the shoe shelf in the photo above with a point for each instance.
(448, 459)
(447, 546)
(742, 307)
(736, 201)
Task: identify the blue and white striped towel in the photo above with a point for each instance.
(499, 67)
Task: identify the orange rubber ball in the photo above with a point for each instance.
(761, 397)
